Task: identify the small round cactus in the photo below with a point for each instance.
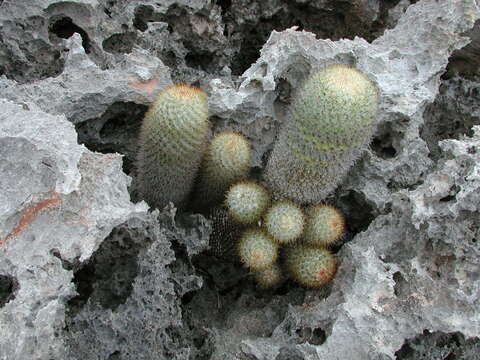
(256, 249)
(246, 201)
(173, 138)
(310, 266)
(227, 160)
(325, 225)
(284, 221)
(225, 233)
(269, 277)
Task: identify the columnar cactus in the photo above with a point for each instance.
(227, 160)
(173, 138)
(330, 124)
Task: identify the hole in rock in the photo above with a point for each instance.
(315, 337)
(382, 146)
(114, 356)
(119, 43)
(8, 288)
(250, 23)
(356, 221)
(116, 130)
(225, 5)
(289, 353)
(200, 60)
(452, 114)
(439, 345)
(107, 278)
(64, 28)
(142, 15)
(400, 287)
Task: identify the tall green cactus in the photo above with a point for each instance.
(173, 138)
(331, 122)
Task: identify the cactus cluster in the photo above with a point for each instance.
(330, 122)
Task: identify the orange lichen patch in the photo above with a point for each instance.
(29, 215)
(148, 86)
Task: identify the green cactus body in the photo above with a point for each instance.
(325, 225)
(269, 277)
(331, 122)
(310, 266)
(284, 221)
(256, 249)
(246, 201)
(227, 160)
(173, 139)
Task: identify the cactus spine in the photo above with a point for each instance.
(284, 222)
(256, 249)
(246, 201)
(269, 277)
(173, 138)
(310, 266)
(330, 124)
(226, 161)
(325, 225)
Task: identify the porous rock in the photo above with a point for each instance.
(104, 279)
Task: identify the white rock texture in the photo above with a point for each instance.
(87, 273)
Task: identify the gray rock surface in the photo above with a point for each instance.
(85, 273)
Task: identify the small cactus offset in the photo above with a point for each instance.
(173, 139)
(325, 225)
(227, 160)
(284, 221)
(224, 236)
(270, 277)
(310, 266)
(256, 249)
(331, 122)
(247, 201)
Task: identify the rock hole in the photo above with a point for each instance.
(289, 353)
(8, 288)
(356, 221)
(114, 356)
(116, 130)
(142, 15)
(119, 43)
(439, 345)
(399, 289)
(452, 115)
(200, 60)
(107, 278)
(63, 27)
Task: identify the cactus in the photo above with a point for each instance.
(173, 138)
(284, 221)
(227, 160)
(269, 277)
(330, 124)
(310, 266)
(256, 249)
(224, 236)
(325, 225)
(246, 201)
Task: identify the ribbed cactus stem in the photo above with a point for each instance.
(227, 160)
(331, 122)
(173, 138)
